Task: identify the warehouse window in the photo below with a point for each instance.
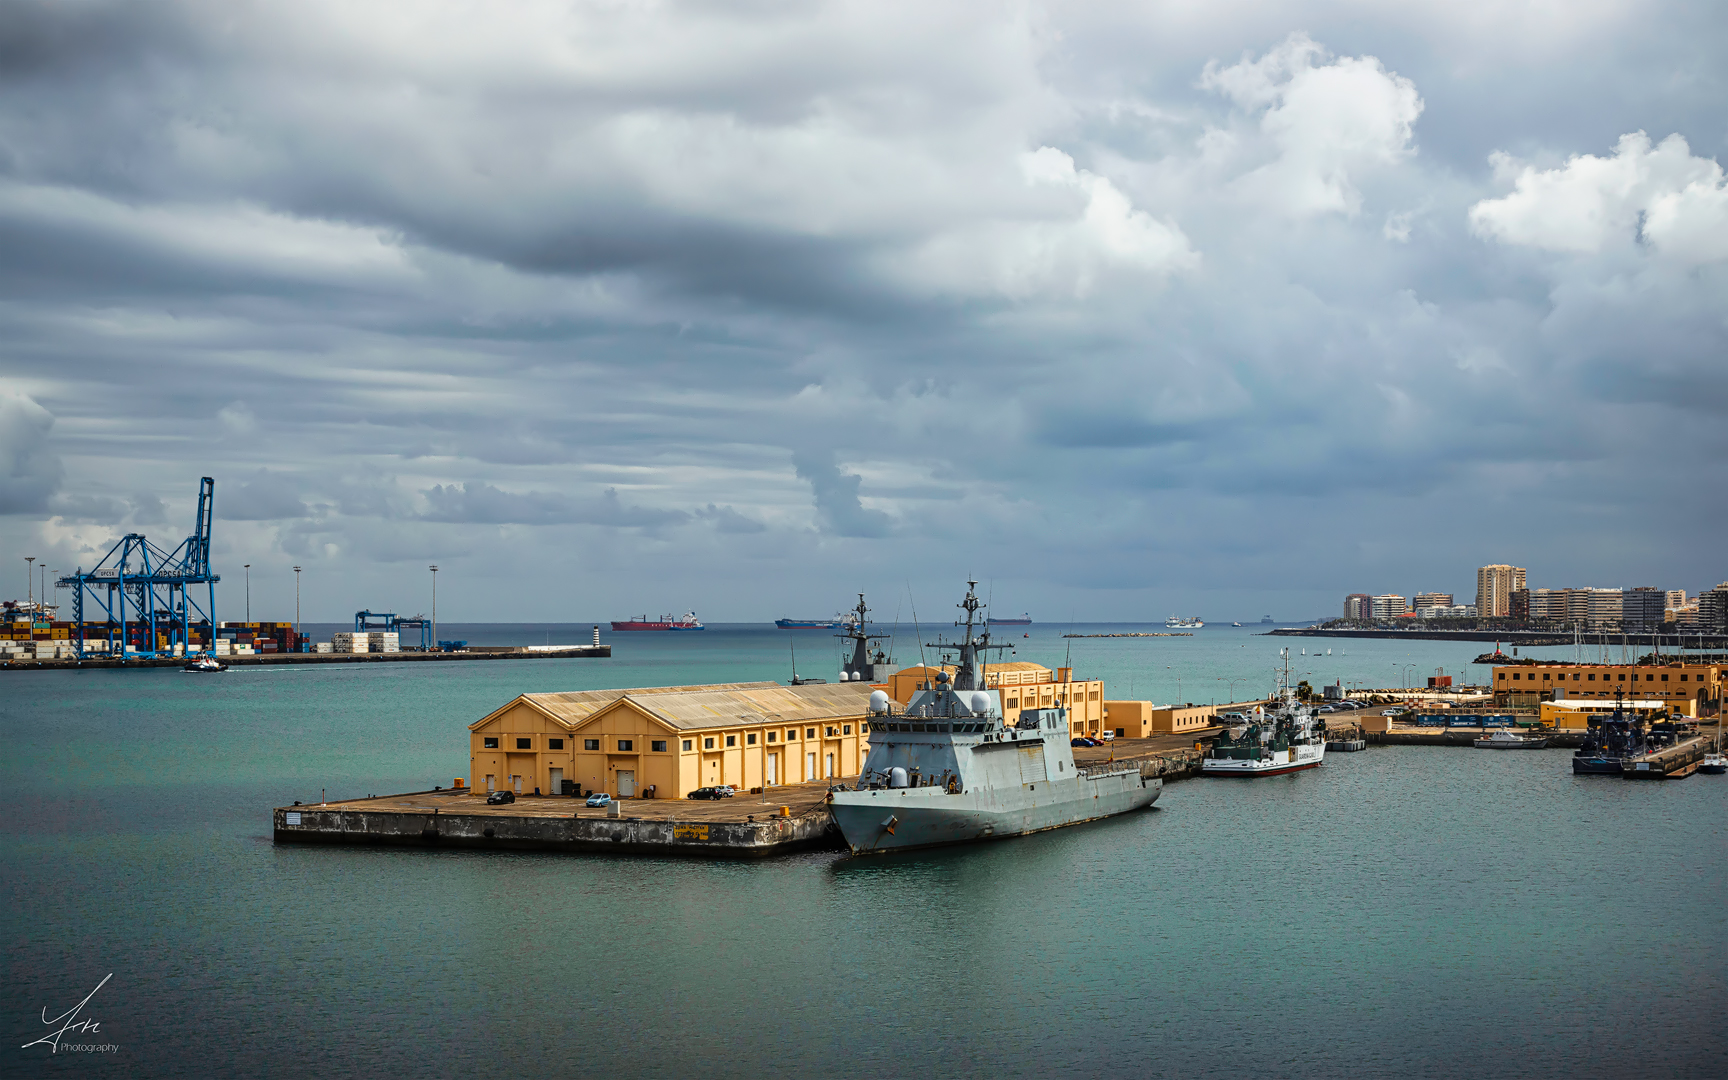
(772, 735)
(658, 746)
(524, 744)
(491, 743)
(1682, 678)
(626, 744)
(687, 743)
(750, 739)
(1592, 678)
(731, 740)
(554, 744)
(847, 729)
(809, 733)
(791, 734)
(1664, 678)
(708, 743)
(590, 744)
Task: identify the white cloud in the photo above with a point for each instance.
(1678, 202)
(1327, 122)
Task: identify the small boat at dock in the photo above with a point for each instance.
(1505, 740)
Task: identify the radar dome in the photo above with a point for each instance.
(878, 701)
(981, 703)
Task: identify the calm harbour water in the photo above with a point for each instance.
(1413, 912)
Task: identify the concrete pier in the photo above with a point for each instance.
(749, 826)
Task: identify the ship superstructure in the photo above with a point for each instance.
(1283, 736)
(947, 768)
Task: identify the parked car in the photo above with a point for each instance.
(710, 793)
(1107, 735)
(1084, 740)
(1327, 708)
(499, 798)
(599, 798)
(728, 789)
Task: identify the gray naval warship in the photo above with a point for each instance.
(947, 769)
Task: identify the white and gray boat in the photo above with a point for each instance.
(948, 769)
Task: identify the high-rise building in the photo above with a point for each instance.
(1432, 599)
(1604, 608)
(1713, 610)
(1389, 606)
(1546, 604)
(1676, 598)
(1494, 588)
(1642, 608)
(1358, 605)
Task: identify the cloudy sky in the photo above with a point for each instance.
(743, 307)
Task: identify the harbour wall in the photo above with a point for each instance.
(494, 653)
(348, 824)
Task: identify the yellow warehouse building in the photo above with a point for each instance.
(666, 741)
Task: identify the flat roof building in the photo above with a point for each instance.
(1695, 689)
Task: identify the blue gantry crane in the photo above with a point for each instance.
(390, 622)
(141, 588)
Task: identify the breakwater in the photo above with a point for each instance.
(531, 652)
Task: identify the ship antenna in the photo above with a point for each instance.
(915, 629)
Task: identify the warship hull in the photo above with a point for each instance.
(900, 819)
(1599, 766)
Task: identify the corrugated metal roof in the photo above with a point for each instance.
(690, 708)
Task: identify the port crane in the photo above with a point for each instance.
(137, 584)
(389, 622)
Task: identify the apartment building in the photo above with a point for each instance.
(1494, 588)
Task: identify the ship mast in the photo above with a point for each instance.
(968, 674)
(860, 668)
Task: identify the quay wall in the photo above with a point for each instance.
(575, 651)
(707, 839)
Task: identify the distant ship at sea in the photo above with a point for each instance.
(1025, 619)
(1177, 622)
(686, 621)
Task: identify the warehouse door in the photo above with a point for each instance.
(626, 783)
(773, 770)
(830, 766)
(557, 787)
(810, 765)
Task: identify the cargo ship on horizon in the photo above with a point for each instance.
(687, 621)
(1025, 619)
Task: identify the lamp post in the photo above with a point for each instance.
(296, 602)
(434, 570)
(30, 580)
(248, 592)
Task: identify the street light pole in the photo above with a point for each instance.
(30, 580)
(296, 601)
(248, 592)
(434, 570)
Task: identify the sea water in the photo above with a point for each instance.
(1409, 911)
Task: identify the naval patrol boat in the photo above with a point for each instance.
(949, 768)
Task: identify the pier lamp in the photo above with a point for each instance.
(30, 577)
(434, 570)
(296, 602)
(248, 592)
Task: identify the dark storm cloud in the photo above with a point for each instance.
(862, 289)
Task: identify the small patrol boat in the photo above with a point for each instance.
(205, 664)
(1617, 737)
(949, 768)
(1506, 740)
